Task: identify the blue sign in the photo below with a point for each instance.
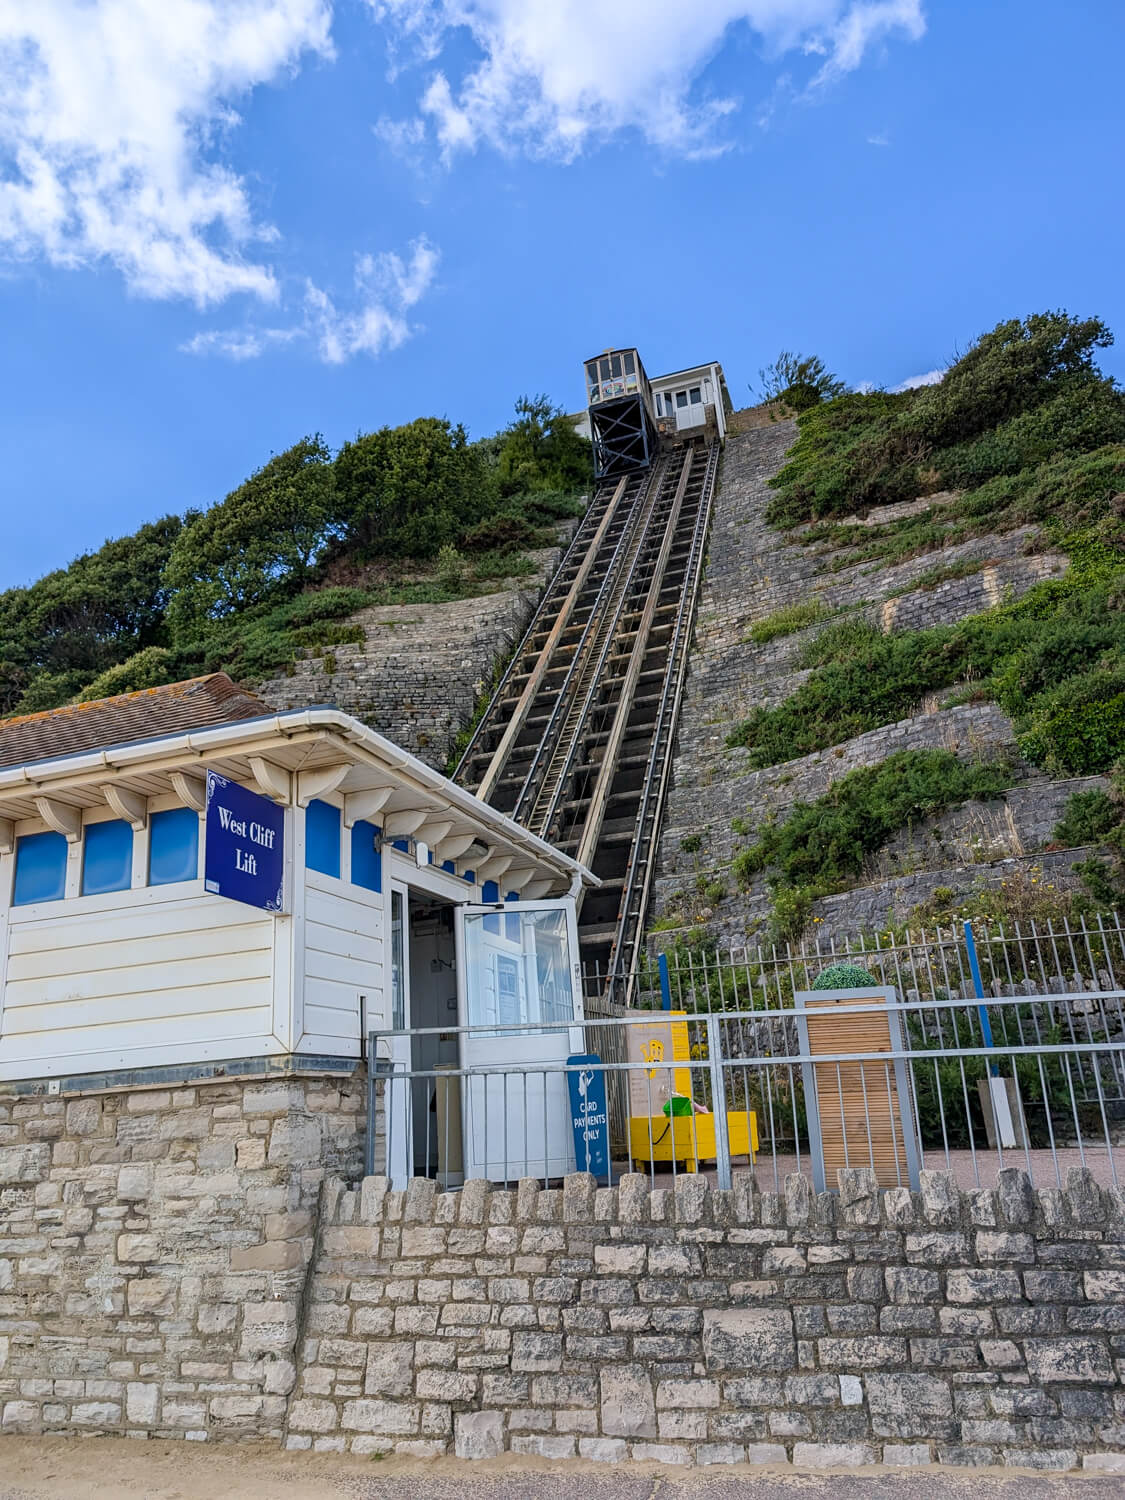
(245, 858)
(589, 1113)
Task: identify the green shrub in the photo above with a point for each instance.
(786, 620)
(1087, 819)
(148, 668)
(824, 844)
(1053, 660)
(843, 977)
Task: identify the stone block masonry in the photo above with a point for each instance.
(154, 1249)
(421, 668)
(175, 1263)
(687, 1325)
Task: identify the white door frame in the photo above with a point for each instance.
(512, 1157)
(398, 1113)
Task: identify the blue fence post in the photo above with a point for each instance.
(665, 982)
(978, 989)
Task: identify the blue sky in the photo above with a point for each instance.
(228, 223)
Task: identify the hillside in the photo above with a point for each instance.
(296, 569)
(908, 694)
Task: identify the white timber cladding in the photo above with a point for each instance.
(168, 975)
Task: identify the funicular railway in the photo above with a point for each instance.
(576, 743)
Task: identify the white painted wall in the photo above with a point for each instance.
(134, 979)
(343, 959)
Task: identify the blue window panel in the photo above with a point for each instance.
(512, 924)
(173, 846)
(322, 838)
(448, 867)
(402, 845)
(489, 892)
(40, 868)
(470, 876)
(107, 857)
(367, 862)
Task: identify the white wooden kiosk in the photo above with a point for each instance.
(139, 944)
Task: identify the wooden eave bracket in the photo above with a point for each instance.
(127, 805)
(7, 836)
(454, 845)
(400, 825)
(494, 866)
(319, 783)
(191, 790)
(61, 818)
(273, 780)
(359, 806)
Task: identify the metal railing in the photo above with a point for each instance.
(1014, 958)
(956, 1083)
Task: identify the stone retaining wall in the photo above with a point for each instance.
(421, 668)
(154, 1247)
(688, 1325)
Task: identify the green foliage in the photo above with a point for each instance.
(799, 381)
(257, 545)
(58, 633)
(784, 621)
(942, 1087)
(541, 450)
(1021, 394)
(149, 668)
(823, 844)
(450, 568)
(1055, 661)
(408, 491)
(843, 977)
(1089, 818)
(691, 843)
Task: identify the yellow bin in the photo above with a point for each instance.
(689, 1138)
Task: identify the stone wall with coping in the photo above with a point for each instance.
(154, 1249)
(688, 1325)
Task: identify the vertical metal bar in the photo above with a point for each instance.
(665, 984)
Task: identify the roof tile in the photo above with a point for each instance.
(177, 706)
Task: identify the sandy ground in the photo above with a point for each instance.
(118, 1469)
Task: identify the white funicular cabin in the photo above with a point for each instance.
(192, 885)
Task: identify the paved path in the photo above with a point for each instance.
(117, 1469)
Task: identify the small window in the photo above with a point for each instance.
(322, 838)
(367, 862)
(173, 846)
(681, 398)
(615, 367)
(696, 396)
(40, 868)
(107, 857)
(630, 367)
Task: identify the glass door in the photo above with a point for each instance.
(520, 1001)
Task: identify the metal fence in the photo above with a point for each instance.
(920, 1081)
(1014, 958)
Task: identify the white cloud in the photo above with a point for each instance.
(556, 78)
(879, 140)
(110, 116)
(912, 382)
(386, 288)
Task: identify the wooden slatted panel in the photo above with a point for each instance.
(861, 1115)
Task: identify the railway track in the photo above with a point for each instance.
(577, 740)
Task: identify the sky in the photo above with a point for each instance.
(225, 224)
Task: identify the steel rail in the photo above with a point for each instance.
(600, 626)
(578, 544)
(658, 770)
(539, 671)
(579, 714)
